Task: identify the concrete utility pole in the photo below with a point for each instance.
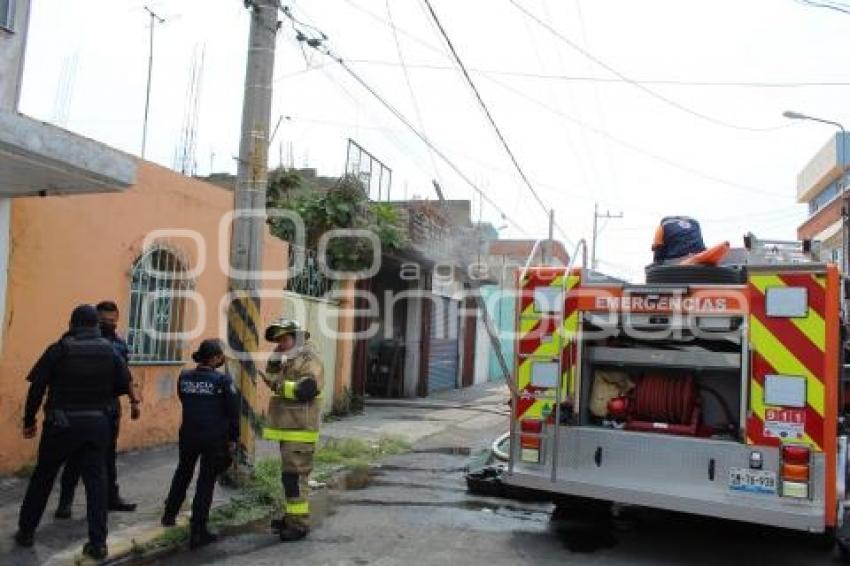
(154, 20)
(246, 246)
(596, 217)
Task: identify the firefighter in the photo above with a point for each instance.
(294, 373)
(675, 238)
(209, 432)
(81, 375)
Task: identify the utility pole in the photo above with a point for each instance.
(246, 245)
(596, 217)
(154, 19)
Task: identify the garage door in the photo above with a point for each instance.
(443, 357)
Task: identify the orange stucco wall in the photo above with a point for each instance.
(71, 250)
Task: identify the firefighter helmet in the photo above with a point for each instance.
(283, 326)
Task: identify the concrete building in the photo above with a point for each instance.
(93, 247)
(819, 186)
(38, 158)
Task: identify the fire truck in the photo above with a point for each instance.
(707, 390)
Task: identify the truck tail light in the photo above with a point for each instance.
(796, 454)
(795, 472)
(796, 467)
(530, 440)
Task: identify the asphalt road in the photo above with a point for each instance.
(416, 510)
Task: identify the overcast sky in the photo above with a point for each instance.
(722, 153)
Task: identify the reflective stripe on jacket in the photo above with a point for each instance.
(291, 420)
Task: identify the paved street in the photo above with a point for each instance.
(416, 511)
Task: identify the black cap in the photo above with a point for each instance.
(84, 316)
(207, 350)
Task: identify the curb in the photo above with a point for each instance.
(122, 545)
(127, 546)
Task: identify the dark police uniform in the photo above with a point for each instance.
(82, 375)
(677, 237)
(210, 420)
(71, 473)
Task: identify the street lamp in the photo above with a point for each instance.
(841, 185)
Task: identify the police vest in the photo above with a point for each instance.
(84, 374)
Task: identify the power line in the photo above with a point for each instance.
(420, 122)
(320, 46)
(627, 79)
(609, 80)
(402, 31)
(633, 147)
(484, 107)
(836, 6)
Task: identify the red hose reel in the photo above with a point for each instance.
(660, 403)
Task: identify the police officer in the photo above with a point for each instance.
(107, 312)
(294, 373)
(676, 237)
(82, 375)
(209, 431)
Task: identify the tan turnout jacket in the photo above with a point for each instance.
(288, 418)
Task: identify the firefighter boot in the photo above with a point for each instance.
(200, 536)
(292, 532)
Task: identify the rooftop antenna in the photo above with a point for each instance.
(154, 19)
(184, 158)
(65, 89)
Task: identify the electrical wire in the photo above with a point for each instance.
(634, 83)
(417, 111)
(413, 37)
(609, 80)
(633, 147)
(320, 46)
(836, 6)
(603, 122)
(484, 108)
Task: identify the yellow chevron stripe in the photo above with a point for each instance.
(566, 332)
(563, 335)
(820, 280)
(784, 362)
(813, 325)
(526, 325)
(764, 282)
(758, 407)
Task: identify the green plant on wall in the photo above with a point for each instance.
(345, 205)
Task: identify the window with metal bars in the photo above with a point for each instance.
(158, 286)
(7, 14)
(309, 280)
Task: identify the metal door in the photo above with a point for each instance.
(443, 355)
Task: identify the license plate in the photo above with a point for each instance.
(753, 481)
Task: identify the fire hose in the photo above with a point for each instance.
(664, 399)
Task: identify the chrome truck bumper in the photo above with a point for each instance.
(688, 475)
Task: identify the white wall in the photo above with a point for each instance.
(482, 352)
(309, 311)
(12, 47)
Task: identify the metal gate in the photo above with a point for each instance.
(443, 356)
